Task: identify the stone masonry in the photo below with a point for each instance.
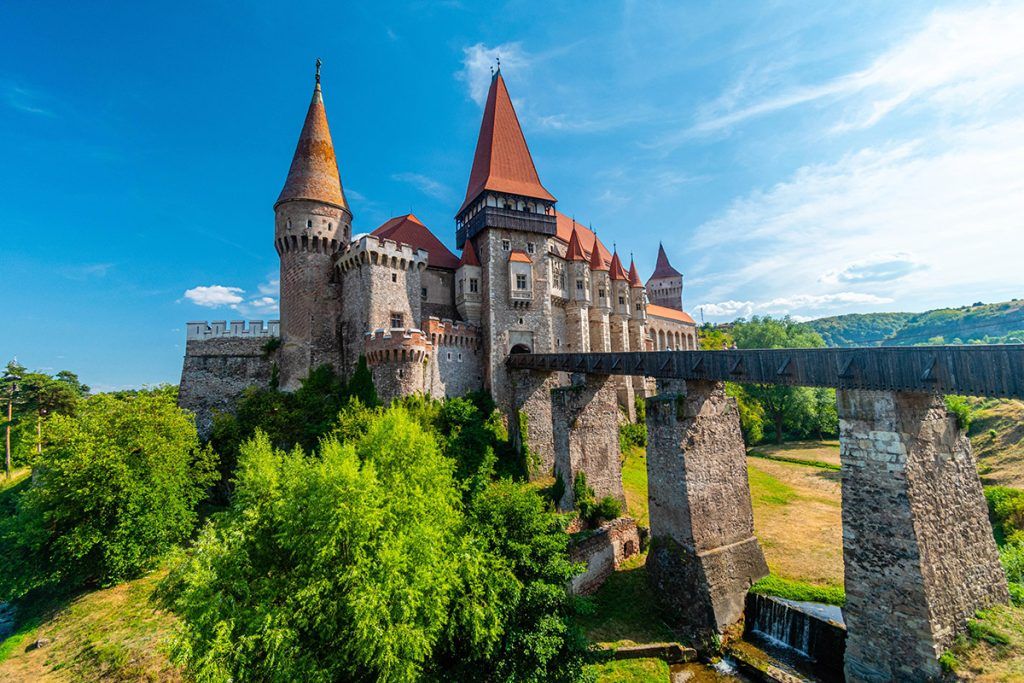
(603, 551)
(703, 555)
(918, 549)
(585, 439)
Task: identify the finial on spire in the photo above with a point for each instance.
(318, 63)
(498, 59)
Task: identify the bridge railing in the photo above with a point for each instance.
(977, 370)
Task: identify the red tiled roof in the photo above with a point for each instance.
(670, 313)
(502, 161)
(314, 170)
(617, 272)
(575, 250)
(663, 268)
(519, 256)
(634, 277)
(564, 226)
(410, 230)
(469, 257)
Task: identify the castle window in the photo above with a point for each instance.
(600, 292)
(520, 321)
(309, 224)
(401, 372)
(423, 292)
(449, 355)
(394, 277)
(579, 285)
(460, 356)
(474, 285)
(622, 301)
(396, 320)
(462, 284)
(520, 281)
(329, 226)
(531, 247)
(639, 306)
(289, 223)
(506, 245)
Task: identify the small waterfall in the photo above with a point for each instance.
(815, 631)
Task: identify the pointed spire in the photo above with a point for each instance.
(596, 262)
(634, 276)
(575, 250)
(502, 161)
(314, 171)
(663, 268)
(617, 272)
(469, 257)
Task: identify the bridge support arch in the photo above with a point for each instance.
(586, 436)
(703, 555)
(918, 549)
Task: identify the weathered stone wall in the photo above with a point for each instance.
(586, 437)
(531, 391)
(703, 555)
(603, 551)
(217, 370)
(456, 362)
(439, 300)
(918, 549)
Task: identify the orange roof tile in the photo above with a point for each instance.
(314, 170)
(634, 277)
(564, 226)
(663, 268)
(469, 257)
(519, 256)
(410, 230)
(502, 161)
(670, 313)
(575, 250)
(617, 272)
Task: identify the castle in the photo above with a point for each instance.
(529, 279)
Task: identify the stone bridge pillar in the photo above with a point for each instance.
(530, 418)
(918, 549)
(584, 417)
(703, 554)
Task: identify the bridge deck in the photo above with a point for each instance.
(970, 370)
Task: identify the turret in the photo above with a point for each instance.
(601, 301)
(665, 286)
(577, 317)
(620, 288)
(468, 277)
(637, 295)
(312, 223)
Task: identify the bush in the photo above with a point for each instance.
(593, 512)
(1005, 510)
(632, 435)
(961, 408)
(116, 486)
(606, 509)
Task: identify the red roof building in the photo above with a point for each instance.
(410, 230)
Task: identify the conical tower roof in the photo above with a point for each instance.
(596, 261)
(574, 252)
(617, 271)
(502, 161)
(314, 171)
(634, 276)
(469, 257)
(663, 268)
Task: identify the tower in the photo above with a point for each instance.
(578, 305)
(665, 286)
(312, 222)
(619, 320)
(601, 298)
(508, 218)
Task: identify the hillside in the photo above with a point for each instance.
(996, 323)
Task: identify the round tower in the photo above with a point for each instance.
(312, 223)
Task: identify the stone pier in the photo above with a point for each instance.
(530, 416)
(918, 549)
(703, 555)
(586, 436)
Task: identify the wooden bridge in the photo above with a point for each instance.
(918, 550)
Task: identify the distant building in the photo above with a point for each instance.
(528, 279)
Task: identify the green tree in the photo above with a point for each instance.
(714, 337)
(781, 404)
(115, 487)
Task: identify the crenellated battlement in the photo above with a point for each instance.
(408, 345)
(199, 330)
(445, 332)
(378, 251)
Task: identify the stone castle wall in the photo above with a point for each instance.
(220, 363)
(603, 552)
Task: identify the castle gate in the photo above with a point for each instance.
(918, 549)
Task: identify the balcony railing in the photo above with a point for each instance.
(508, 219)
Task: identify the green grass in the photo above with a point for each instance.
(992, 649)
(767, 490)
(625, 610)
(796, 461)
(630, 671)
(634, 483)
(799, 590)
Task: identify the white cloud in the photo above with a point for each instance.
(477, 61)
(877, 268)
(959, 59)
(732, 309)
(426, 185)
(215, 296)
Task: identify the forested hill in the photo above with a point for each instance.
(998, 323)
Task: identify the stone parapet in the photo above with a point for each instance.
(379, 251)
(198, 330)
(444, 332)
(396, 345)
(918, 549)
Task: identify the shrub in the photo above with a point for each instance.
(606, 509)
(632, 435)
(1005, 510)
(116, 486)
(961, 408)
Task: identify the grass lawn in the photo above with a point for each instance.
(993, 648)
(630, 671)
(634, 483)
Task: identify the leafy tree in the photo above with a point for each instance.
(361, 385)
(115, 487)
(714, 337)
(781, 404)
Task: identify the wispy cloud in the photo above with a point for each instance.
(86, 271)
(25, 100)
(731, 309)
(479, 59)
(427, 185)
(882, 267)
(959, 58)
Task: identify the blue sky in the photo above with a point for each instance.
(809, 159)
